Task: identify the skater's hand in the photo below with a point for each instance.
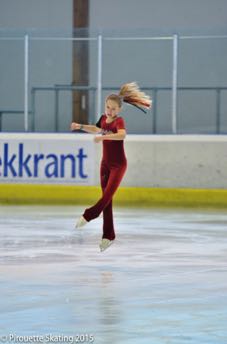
(97, 139)
(75, 126)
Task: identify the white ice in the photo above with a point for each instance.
(164, 281)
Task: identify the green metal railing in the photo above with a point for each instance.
(99, 41)
(11, 112)
(152, 90)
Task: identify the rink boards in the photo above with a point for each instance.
(162, 169)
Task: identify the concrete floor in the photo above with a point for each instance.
(164, 281)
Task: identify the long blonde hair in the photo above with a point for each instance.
(131, 94)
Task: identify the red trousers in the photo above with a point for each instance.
(110, 176)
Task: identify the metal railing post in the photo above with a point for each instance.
(218, 111)
(174, 84)
(56, 110)
(26, 80)
(99, 78)
(33, 110)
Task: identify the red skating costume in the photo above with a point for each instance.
(112, 169)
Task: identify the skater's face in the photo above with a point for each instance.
(112, 108)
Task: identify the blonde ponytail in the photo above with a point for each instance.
(130, 93)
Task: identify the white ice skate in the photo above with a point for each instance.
(81, 222)
(105, 243)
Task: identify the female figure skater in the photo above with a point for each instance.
(114, 163)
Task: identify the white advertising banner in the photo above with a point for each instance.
(47, 158)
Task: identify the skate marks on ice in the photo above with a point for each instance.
(164, 280)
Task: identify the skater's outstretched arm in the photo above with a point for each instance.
(85, 127)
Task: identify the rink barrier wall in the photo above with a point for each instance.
(134, 196)
(178, 170)
(154, 161)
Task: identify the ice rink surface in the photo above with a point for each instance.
(163, 281)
